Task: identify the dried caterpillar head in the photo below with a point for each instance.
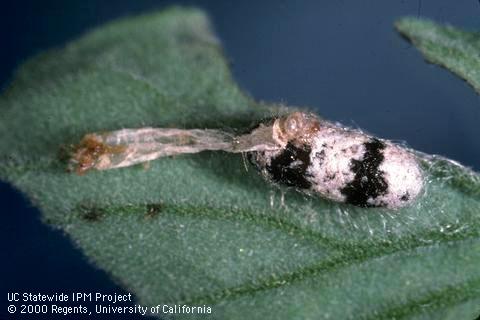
(339, 164)
(296, 127)
(92, 152)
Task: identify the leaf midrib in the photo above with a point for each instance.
(349, 254)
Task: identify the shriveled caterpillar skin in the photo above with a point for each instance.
(341, 164)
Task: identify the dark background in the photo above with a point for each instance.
(341, 58)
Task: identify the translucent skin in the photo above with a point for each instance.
(340, 164)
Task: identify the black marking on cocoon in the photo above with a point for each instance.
(290, 166)
(369, 181)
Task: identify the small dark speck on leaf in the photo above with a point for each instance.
(153, 210)
(64, 153)
(92, 214)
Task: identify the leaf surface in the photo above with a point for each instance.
(452, 48)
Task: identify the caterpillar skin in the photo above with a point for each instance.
(341, 164)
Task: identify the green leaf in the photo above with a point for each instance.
(202, 229)
(447, 46)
